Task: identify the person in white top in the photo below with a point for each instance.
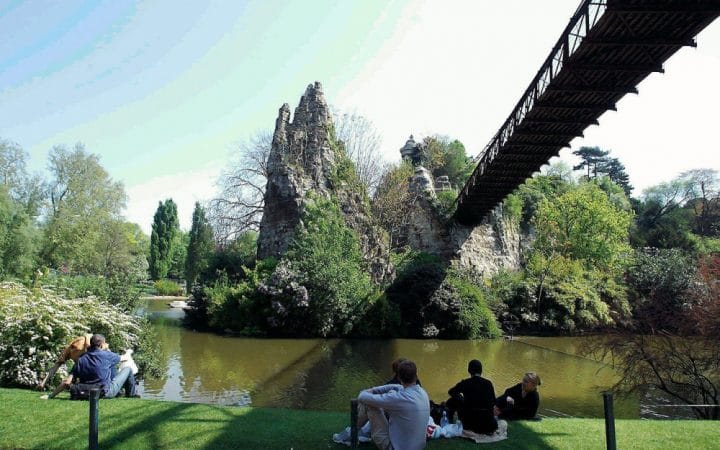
(407, 405)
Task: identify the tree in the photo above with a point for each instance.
(615, 170)
(84, 204)
(591, 158)
(577, 258)
(446, 157)
(660, 282)
(17, 239)
(23, 188)
(704, 189)
(123, 251)
(165, 228)
(582, 224)
(670, 212)
(200, 247)
(362, 144)
(393, 200)
(542, 187)
(239, 206)
(683, 364)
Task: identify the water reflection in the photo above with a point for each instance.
(326, 374)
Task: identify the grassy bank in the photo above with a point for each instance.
(26, 421)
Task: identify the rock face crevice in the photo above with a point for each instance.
(303, 159)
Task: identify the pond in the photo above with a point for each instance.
(324, 374)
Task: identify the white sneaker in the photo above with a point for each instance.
(343, 437)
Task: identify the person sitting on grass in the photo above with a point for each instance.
(73, 351)
(520, 401)
(474, 400)
(407, 405)
(97, 366)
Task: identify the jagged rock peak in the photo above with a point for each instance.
(312, 108)
(302, 159)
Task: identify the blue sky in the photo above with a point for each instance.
(162, 90)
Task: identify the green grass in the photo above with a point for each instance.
(26, 421)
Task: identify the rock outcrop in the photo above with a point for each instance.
(304, 159)
(485, 249)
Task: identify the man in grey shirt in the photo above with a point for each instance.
(407, 406)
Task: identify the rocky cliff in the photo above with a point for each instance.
(304, 158)
(485, 249)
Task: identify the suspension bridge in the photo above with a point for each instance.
(605, 51)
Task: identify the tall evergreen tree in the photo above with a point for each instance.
(592, 158)
(164, 229)
(200, 247)
(615, 170)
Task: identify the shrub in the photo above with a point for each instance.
(434, 301)
(446, 202)
(36, 324)
(660, 282)
(382, 319)
(168, 287)
(234, 306)
(118, 290)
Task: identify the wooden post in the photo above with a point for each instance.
(353, 423)
(609, 421)
(94, 419)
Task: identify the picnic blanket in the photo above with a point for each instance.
(499, 435)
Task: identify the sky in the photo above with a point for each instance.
(163, 90)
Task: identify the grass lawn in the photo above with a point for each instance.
(26, 421)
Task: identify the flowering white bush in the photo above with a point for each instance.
(35, 325)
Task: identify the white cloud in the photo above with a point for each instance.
(184, 188)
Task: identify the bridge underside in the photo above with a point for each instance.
(608, 48)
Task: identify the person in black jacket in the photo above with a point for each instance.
(520, 401)
(474, 401)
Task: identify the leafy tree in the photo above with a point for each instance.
(200, 246)
(661, 282)
(662, 226)
(581, 242)
(123, 251)
(228, 260)
(17, 239)
(582, 224)
(527, 198)
(165, 229)
(669, 213)
(433, 300)
(85, 203)
(23, 188)
(178, 255)
(446, 157)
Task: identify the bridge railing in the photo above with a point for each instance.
(586, 16)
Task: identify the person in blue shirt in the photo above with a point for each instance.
(98, 366)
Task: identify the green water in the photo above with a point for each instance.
(324, 374)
